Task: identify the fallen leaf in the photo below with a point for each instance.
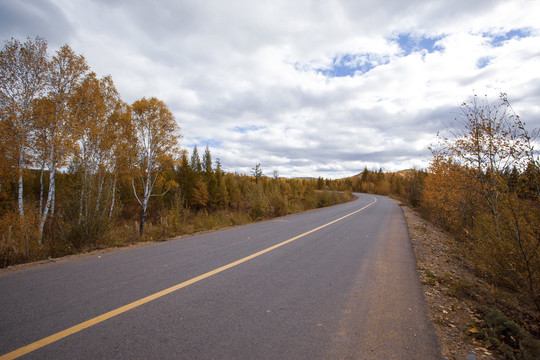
(473, 331)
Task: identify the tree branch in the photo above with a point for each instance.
(135, 191)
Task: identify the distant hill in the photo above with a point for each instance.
(405, 173)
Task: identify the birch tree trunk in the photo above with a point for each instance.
(20, 195)
(99, 194)
(49, 205)
(144, 205)
(111, 211)
(41, 189)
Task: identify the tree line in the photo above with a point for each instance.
(81, 169)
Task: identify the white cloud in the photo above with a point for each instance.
(248, 78)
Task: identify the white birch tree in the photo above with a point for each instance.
(58, 128)
(23, 79)
(157, 136)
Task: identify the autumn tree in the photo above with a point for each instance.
(195, 161)
(57, 118)
(5, 152)
(185, 176)
(200, 194)
(23, 79)
(121, 136)
(207, 162)
(257, 172)
(320, 183)
(100, 141)
(210, 178)
(157, 137)
(469, 184)
(448, 195)
(234, 197)
(221, 195)
(91, 130)
(414, 187)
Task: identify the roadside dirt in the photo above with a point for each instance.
(454, 318)
(98, 252)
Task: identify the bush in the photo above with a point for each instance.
(261, 208)
(510, 340)
(19, 237)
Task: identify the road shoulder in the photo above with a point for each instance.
(451, 316)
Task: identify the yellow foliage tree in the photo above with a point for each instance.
(157, 134)
(58, 128)
(23, 79)
(469, 189)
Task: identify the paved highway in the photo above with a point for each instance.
(335, 283)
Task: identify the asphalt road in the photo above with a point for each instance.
(348, 290)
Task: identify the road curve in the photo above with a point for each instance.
(335, 283)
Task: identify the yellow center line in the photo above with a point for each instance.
(86, 324)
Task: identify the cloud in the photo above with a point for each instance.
(21, 19)
(309, 88)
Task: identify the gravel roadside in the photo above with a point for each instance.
(453, 317)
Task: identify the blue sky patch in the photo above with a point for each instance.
(245, 129)
(410, 43)
(499, 40)
(351, 64)
(203, 143)
(483, 62)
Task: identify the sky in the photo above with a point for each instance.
(304, 88)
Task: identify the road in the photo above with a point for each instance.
(335, 283)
